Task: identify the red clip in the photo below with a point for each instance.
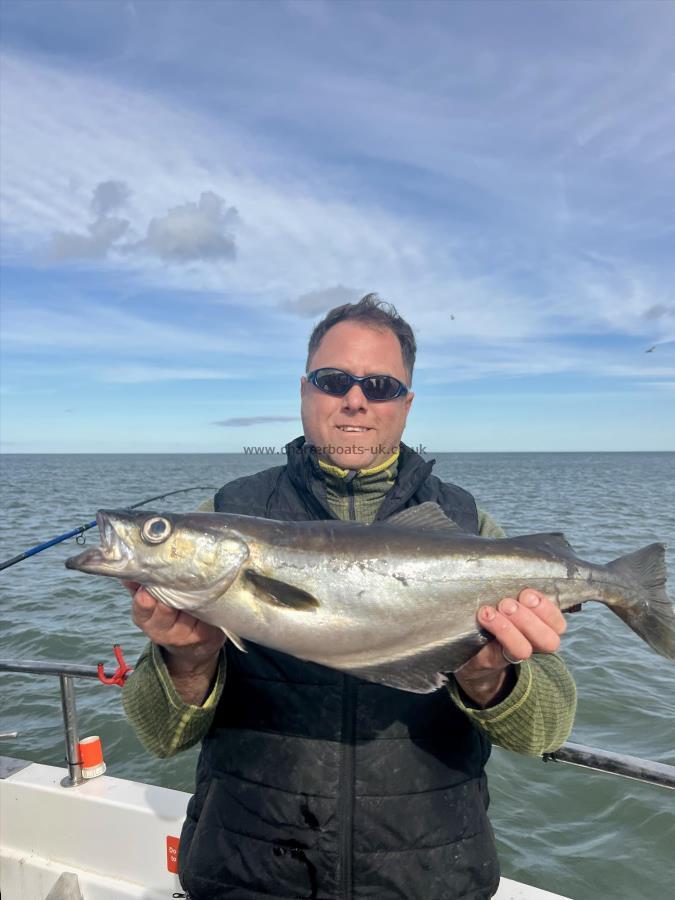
(121, 673)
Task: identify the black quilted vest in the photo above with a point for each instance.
(315, 784)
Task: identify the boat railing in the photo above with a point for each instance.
(644, 770)
(635, 767)
(66, 673)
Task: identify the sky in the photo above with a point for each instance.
(186, 188)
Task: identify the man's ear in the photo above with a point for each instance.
(303, 385)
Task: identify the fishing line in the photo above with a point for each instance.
(76, 532)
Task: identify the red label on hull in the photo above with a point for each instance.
(172, 853)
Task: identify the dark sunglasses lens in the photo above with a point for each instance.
(374, 387)
(381, 387)
(336, 383)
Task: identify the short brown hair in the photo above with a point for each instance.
(370, 310)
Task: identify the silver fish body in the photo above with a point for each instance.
(393, 602)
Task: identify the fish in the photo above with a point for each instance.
(393, 602)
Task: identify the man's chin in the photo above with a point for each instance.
(346, 452)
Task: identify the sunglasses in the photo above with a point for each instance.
(375, 387)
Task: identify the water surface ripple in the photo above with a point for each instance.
(585, 835)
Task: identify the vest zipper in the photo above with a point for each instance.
(346, 788)
(346, 802)
(349, 478)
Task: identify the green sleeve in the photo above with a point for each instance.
(163, 722)
(538, 714)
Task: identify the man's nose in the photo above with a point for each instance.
(354, 399)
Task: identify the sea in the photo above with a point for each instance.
(582, 834)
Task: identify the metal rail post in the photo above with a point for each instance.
(74, 776)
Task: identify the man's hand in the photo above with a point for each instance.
(529, 624)
(190, 647)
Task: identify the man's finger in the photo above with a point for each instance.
(541, 636)
(164, 616)
(143, 606)
(544, 608)
(509, 637)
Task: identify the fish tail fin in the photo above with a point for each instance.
(651, 613)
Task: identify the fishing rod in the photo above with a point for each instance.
(76, 532)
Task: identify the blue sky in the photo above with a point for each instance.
(187, 187)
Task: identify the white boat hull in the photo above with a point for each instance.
(110, 833)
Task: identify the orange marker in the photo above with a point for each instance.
(91, 757)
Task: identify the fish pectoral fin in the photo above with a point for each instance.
(427, 516)
(279, 593)
(424, 672)
(236, 640)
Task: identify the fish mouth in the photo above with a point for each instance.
(111, 554)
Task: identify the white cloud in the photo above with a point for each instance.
(95, 328)
(137, 374)
(109, 195)
(192, 231)
(95, 244)
(295, 232)
(509, 189)
(519, 359)
(315, 303)
(514, 280)
(245, 421)
(659, 385)
(659, 310)
(186, 233)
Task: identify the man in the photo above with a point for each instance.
(312, 783)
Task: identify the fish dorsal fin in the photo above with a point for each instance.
(279, 593)
(236, 640)
(553, 541)
(427, 516)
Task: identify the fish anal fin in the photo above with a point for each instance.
(280, 593)
(427, 516)
(423, 672)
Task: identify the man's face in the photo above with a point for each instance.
(351, 431)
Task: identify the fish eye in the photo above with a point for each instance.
(156, 530)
